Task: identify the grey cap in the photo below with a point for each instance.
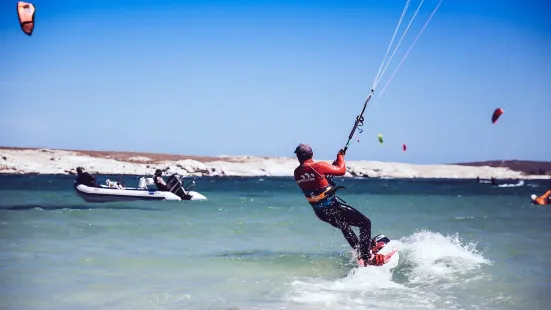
(304, 151)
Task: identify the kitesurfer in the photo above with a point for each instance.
(85, 178)
(159, 181)
(312, 179)
(544, 199)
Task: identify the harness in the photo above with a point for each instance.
(322, 199)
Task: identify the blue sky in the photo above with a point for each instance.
(260, 77)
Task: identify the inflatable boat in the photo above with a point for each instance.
(113, 191)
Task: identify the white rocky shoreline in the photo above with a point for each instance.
(50, 161)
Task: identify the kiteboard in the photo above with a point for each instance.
(388, 249)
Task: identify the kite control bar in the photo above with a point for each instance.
(359, 121)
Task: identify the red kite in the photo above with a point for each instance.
(25, 12)
(496, 115)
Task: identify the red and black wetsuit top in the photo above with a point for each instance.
(311, 178)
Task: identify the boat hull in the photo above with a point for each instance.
(105, 194)
(196, 196)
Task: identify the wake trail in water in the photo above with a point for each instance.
(430, 266)
(519, 183)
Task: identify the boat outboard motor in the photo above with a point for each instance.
(175, 186)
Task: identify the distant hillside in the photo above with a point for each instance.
(524, 166)
(528, 167)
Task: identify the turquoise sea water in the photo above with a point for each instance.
(256, 244)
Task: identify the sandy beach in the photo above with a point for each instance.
(53, 161)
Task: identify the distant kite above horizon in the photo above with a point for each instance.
(404, 147)
(497, 113)
(25, 13)
(380, 136)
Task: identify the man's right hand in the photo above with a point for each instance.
(342, 152)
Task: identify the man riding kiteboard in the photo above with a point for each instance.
(313, 178)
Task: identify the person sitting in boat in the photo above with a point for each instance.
(86, 178)
(159, 181)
